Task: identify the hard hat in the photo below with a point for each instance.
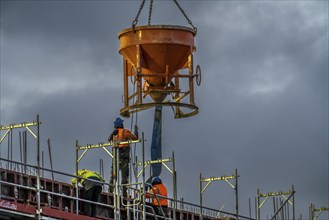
(118, 123)
(156, 179)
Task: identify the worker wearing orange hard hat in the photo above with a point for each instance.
(157, 193)
(121, 134)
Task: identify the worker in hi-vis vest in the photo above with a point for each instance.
(158, 203)
(122, 134)
(92, 188)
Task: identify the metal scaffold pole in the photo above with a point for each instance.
(38, 168)
(143, 176)
(174, 186)
(116, 180)
(293, 202)
(200, 187)
(115, 177)
(257, 206)
(76, 172)
(236, 195)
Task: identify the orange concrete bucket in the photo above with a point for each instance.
(164, 49)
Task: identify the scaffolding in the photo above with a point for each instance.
(221, 178)
(55, 199)
(33, 196)
(315, 212)
(115, 161)
(283, 204)
(172, 170)
(36, 135)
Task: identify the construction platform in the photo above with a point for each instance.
(57, 200)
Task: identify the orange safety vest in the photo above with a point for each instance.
(125, 135)
(158, 189)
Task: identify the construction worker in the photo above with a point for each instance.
(158, 203)
(122, 134)
(91, 189)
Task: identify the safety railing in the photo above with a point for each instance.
(22, 188)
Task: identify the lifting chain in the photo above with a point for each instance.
(188, 20)
(139, 11)
(150, 14)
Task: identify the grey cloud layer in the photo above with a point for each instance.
(263, 99)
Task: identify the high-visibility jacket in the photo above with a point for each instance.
(122, 134)
(87, 174)
(158, 189)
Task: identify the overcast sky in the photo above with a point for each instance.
(263, 99)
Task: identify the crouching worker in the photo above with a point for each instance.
(91, 189)
(158, 203)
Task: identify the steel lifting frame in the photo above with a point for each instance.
(36, 135)
(225, 178)
(315, 212)
(291, 194)
(172, 171)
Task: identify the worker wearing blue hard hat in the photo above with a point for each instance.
(158, 203)
(121, 134)
(118, 123)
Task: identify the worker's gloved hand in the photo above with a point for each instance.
(136, 131)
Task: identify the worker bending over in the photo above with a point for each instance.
(91, 189)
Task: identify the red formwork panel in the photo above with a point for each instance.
(23, 193)
(66, 203)
(7, 190)
(51, 200)
(65, 215)
(14, 193)
(17, 207)
(103, 211)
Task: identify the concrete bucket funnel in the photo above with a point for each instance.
(164, 49)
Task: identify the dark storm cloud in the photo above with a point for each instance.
(271, 60)
(58, 49)
(263, 99)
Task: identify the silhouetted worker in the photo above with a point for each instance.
(91, 189)
(159, 189)
(122, 134)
